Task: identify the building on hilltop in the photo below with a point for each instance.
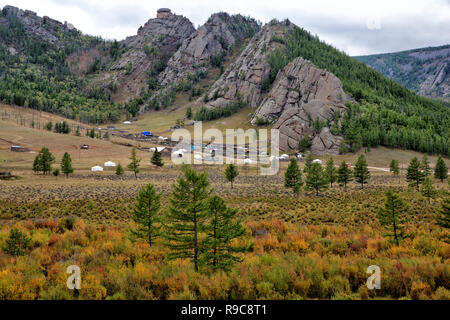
(163, 13)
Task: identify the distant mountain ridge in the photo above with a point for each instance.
(425, 70)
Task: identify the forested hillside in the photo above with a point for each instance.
(34, 71)
(384, 112)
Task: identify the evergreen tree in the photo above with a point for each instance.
(66, 164)
(293, 176)
(443, 218)
(331, 172)
(394, 167)
(361, 172)
(189, 113)
(77, 132)
(427, 189)
(43, 161)
(157, 158)
(441, 170)
(119, 170)
(146, 214)
(134, 164)
(56, 173)
(304, 144)
(231, 173)
(316, 179)
(390, 216)
(308, 162)
(185, 219)
(345, 175)
(17, 243)
(414, 174)
(223, 227)
(425, 166)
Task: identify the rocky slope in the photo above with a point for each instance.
(301, 95)
(426, 71)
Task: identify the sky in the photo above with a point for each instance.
(357, 27)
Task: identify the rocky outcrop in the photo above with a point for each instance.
(301, 95)
(247, 73)
(214, 38)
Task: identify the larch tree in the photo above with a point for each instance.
(361, 172)
(443, 218)
(157, 159)
(331, 172)
(345, 175)
(394, 167)
(308, 162)
(428, 190)
(222, 229)
(316, 179)
(134, 164)
(66, 164)
(390, 216)
(414, 174)
(293, 176)
(146, 214)
(231, 173)
(186, 216)
(119, 170)
(425, 166)
(441, 170)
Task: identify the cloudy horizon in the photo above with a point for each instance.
(355, 27)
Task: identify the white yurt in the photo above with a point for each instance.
(127, 122)
(109, 164)
(160, 149)
(178, 154)
(198, 157)
(248, 161)
(317, 161)
(97, 169)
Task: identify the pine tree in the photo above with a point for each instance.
(186, 216)
(223, 227)
(308, 162)
(441, 170)
(331, 172)
(66, 164)
(345, 175)
(427, 189)
(394, 167)
(414, 174)
(43, 161)
(316, 179)
(425, 166)
(390, 216)
(231, 173)
(293, 176)
(17, 243)
(134, 164)
(119, 170)
(443, 218)
(56, 173)
(189, 113)
(304, 144)
(146, 214)
(361, 172)
(157, 159)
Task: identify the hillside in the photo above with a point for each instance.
(425, 71)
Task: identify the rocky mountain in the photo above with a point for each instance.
(426, 70)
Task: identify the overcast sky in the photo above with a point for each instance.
(355, 26)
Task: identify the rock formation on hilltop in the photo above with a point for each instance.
(212, 40)
(301, 96)
(247, 73)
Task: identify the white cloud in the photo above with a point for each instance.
(356, 27)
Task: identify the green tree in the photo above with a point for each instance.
(157, 158)
(304, 144)
(66, 164)
(441, 170)
(443, 218)
(134, 164)
(308, 162)
(427, 189)
(17, 243)
(293, 176)
(119, 170)
(331, 172)
(345, 175)
(223, 227)
(316, 179)
(231, 173)
(56, 173)
(146, 214)
(425, 166)
(43, 161)
(189, 113)
(394, 167)
(186, 216)
(390, 216)
(414, 174)
(361, 172)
